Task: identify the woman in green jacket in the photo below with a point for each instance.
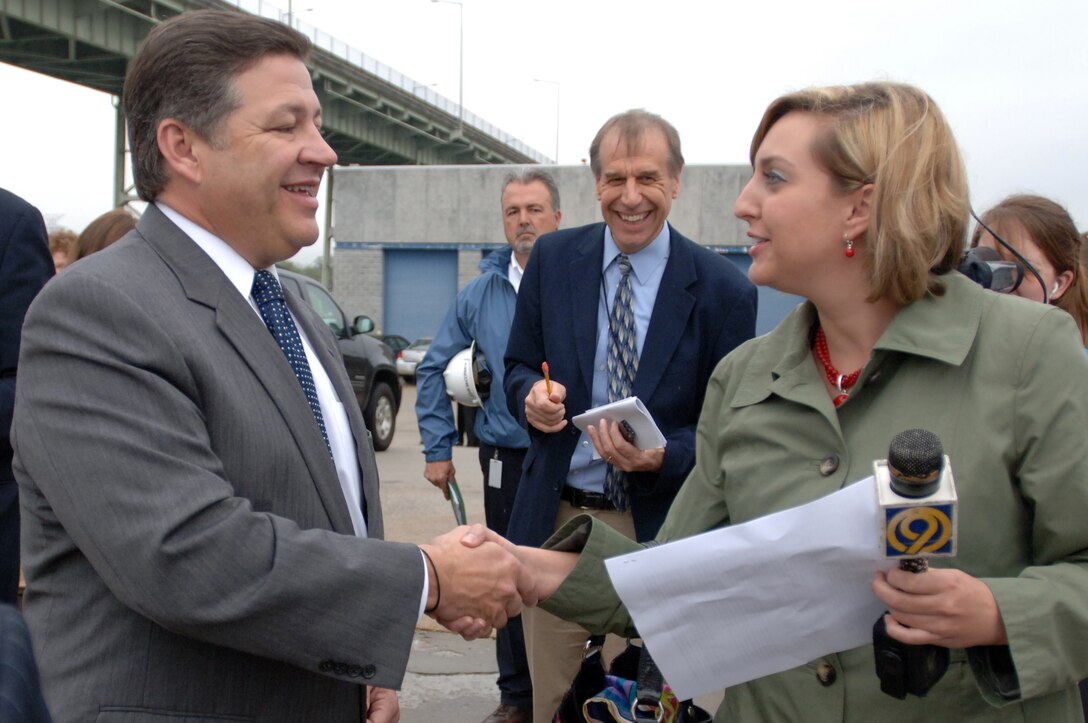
(858, 202)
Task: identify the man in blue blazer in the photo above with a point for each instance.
(690, 308)
(25, 266)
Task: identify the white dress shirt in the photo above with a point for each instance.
(514, 272)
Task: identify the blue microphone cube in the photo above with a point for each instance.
(914, 527)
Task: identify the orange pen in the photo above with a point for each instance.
(547, 379)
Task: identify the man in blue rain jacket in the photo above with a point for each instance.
(483, 313)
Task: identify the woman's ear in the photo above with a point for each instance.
(857, 223)
(1061, 284)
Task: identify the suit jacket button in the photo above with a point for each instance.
(340, 668)
(355, 671)
(825, 673)
(829, 465)
(325, 666)
(369, 671)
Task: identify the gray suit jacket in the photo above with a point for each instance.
(187, 546)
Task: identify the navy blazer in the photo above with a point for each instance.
(25, 266)
(705, 307)
(20, 687)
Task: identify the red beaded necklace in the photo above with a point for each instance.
(842, 382)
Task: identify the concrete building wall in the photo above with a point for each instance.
(457, 207)
(468, 265)
(361, 283)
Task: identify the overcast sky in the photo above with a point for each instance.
(1010, 76)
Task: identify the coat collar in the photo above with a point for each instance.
(939, 327)
(669, 320)
(942, 328)
(584, 272)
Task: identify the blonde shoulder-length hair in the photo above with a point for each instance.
(894, 137)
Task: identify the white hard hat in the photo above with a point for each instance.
(468, 382)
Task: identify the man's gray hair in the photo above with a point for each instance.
(631, 126)
(527, 175)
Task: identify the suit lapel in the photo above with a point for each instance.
(249, 336)
(669, 319)
(204, 283)
(585, 295)
(323, 345)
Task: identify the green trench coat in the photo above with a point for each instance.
(1004, 383)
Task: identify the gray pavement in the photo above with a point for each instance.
(449, 680)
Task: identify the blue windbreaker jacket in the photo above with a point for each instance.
(483, 311)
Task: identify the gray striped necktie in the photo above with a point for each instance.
(622, 365)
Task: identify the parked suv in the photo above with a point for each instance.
(370, 363)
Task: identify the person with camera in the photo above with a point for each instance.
(1043, 235)
(858, 202)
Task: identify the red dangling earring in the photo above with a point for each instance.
(849, 247)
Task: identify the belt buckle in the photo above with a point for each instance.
(575, 497)
(591, 500)
(586, 500)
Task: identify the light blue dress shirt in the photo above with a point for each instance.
(647, 268)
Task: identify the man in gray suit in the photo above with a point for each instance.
(202, 535)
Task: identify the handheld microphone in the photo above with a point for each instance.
(917, 498)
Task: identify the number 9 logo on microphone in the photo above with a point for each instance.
(921, 530)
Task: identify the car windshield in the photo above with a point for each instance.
(420, 344)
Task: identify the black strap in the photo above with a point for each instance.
(650, 683)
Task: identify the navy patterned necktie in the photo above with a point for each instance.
(622, 365)
(273, 309)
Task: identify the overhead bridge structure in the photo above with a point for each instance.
(373, 115)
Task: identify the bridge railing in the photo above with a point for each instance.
(356, 57)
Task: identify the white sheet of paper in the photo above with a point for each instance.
(758, 598)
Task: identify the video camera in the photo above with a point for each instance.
(986, 268)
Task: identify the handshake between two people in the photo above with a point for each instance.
(479, 580)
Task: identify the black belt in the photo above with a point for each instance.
(585, 500)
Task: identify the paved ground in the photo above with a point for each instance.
(449, 680)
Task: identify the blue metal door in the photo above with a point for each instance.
(419, 287)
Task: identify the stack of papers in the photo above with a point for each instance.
(631, 410)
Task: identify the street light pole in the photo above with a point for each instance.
(461, 62)
(556, 84)
(291, 22)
